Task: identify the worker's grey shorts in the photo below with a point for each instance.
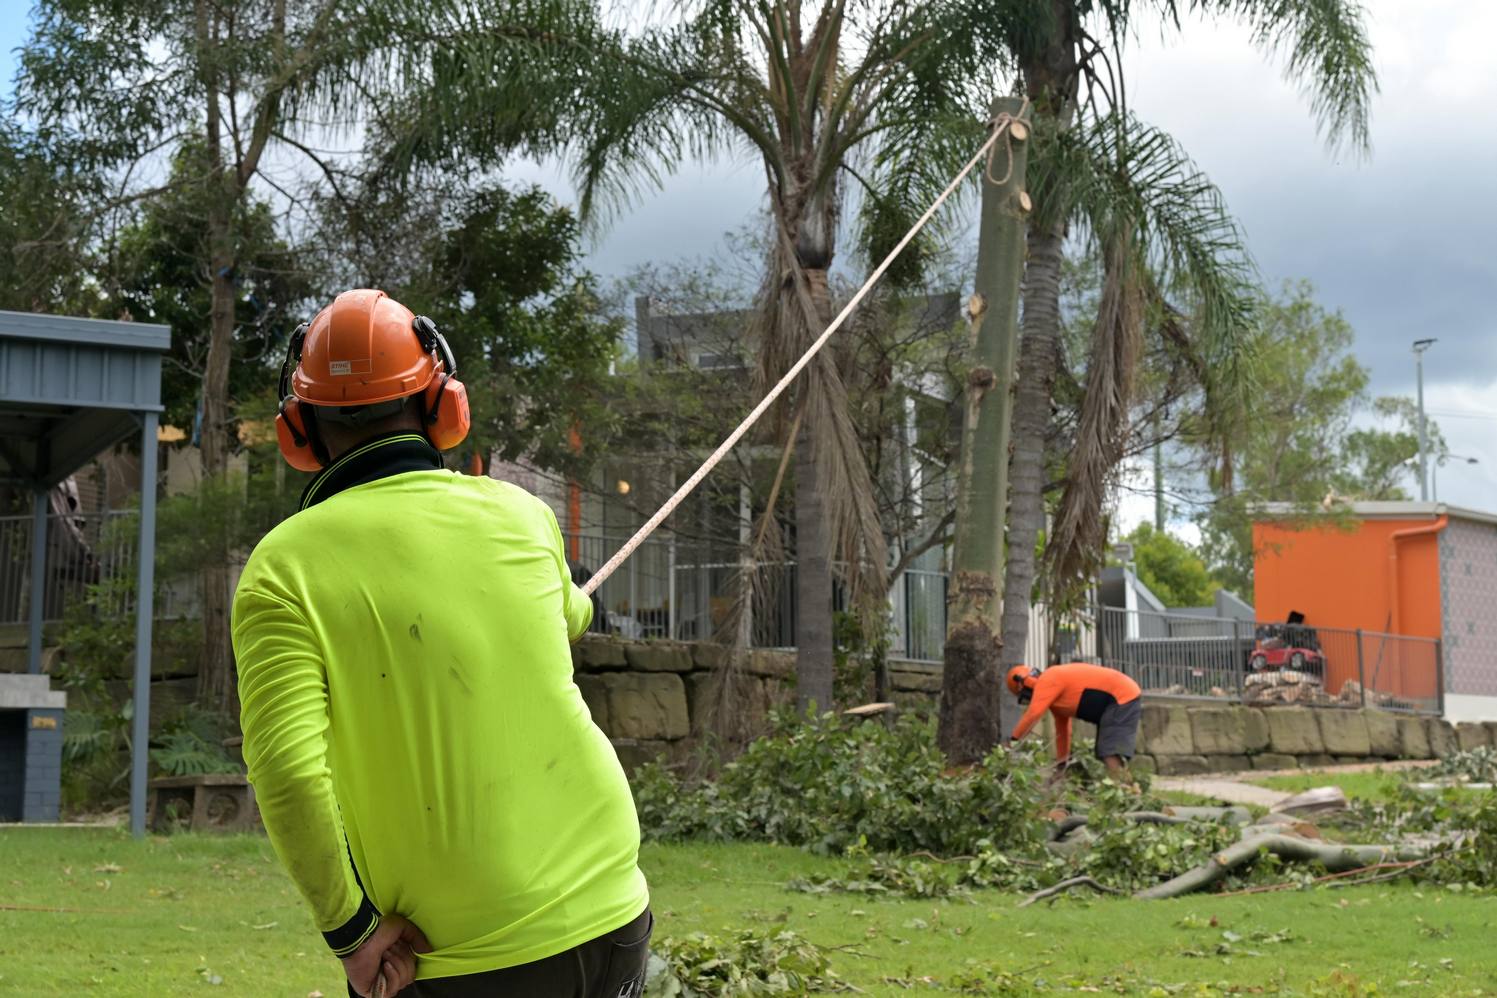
(1117, 731)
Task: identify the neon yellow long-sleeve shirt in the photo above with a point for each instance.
(411, 728)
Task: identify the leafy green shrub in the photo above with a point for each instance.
(749, 963)
(190, 746)
(828, 786)
(1472, 859)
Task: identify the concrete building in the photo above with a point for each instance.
(1419, 570)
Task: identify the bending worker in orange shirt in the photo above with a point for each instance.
(1094, 693)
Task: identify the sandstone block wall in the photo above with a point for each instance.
(1179, 738)
(652, 698)
(657, 698)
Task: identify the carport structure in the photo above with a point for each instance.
(69, 390)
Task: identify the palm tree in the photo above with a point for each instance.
(871, 96)
(1160, 228)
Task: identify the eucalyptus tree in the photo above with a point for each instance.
(847, 102)
(1162, 231)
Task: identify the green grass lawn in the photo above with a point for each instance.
(193, 915)
(1371, 784)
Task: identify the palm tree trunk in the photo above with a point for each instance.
(1038, 357)
(1051, 77)
(813, 583)
(813, 564)
(970, 722)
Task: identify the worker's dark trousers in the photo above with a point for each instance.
(610, 966)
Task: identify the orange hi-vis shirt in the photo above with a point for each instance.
(1076, 689)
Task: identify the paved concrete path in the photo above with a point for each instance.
(1234, 788)
(1222, 788)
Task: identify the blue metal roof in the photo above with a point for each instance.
(71, 388)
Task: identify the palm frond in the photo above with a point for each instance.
(1165, 233)
(1326, 51)
(1075, 546)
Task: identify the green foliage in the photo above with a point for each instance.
(98, 655)
(1299, 440)
(157, 275)
(45, 263)
(897, 875)
(747, 963)
(499, 271)
(193, 745)
(1478, 765)
(1473, 858)
(1170, 568)
(824, 785)
(858, 660)
(1131, 855)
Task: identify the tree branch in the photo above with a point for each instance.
(940, 534)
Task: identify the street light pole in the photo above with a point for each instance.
(1419, 347)
(1434, 472)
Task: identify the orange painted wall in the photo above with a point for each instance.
(1339, 578)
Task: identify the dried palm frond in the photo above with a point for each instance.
(1075, 548)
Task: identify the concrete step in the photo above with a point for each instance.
(23, 692)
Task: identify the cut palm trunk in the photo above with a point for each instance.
(971, 683)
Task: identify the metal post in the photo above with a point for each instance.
(1423, 466)
(1361, 672)
(144, 609)
(1440, 675)
(1239, 660)
(1419, 347)
(38, 580)
(670, 587)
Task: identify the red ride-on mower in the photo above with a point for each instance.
(1290, 645)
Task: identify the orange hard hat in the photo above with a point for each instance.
(363, 350)
(1018, 678)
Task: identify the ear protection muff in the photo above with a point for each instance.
(445, 403)
(1027, 693)
(295, 425)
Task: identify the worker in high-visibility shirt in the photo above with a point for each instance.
(1094, 693)
(425, 766)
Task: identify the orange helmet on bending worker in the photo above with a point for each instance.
(362, 357)
(1021, 679)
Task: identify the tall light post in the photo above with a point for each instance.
(1434, 471)
(1419, 347)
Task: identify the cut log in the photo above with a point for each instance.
(1333, 857)
(1233, 815)
(1320, 800)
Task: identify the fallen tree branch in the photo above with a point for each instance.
(1396, 870)
(1071, 822)
(1399, 870)
(1066, 885)
(1333, 856)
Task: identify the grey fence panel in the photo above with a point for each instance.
(1191, 657)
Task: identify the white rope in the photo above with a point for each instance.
(588, 587)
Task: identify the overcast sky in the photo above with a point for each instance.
(1403, 244)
